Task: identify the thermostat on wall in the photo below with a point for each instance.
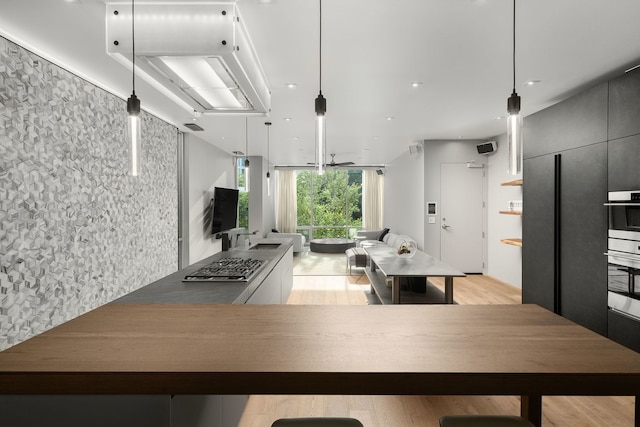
(432, 208)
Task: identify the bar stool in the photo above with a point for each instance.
(317, 422)
(483, 421)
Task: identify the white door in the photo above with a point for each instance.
(461, 239)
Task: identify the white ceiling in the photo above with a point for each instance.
(371, 52)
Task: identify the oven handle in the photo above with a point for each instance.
(622, 204)
(628, 258)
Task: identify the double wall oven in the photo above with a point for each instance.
(623, 255)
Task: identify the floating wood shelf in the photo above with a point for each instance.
(514, 241)
(511, 212)
(512, 183)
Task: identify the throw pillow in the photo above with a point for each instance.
(384, 233)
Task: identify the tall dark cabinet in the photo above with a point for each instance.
(624, 174)
(565, 222)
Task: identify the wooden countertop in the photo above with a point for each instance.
(288, 349)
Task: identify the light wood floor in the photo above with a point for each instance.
(424, 411)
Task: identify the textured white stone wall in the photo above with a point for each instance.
(76, 231)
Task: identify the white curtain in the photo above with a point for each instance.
(373, 200)
(286, 201)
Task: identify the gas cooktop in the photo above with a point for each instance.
(227, 270)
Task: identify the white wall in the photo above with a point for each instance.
(505, 261)
(261, 207)
(206, 167)
(404, 196)
(436, 153)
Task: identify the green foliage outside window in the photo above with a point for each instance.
(243, 210)
(331, 204)
(243, 196)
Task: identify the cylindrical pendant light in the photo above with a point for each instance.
(133, 108)
(321, 109)
(514, 119)
(268, 125)
(247, 178)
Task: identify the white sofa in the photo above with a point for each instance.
(357, 257)
(297, 239)
(371, 238)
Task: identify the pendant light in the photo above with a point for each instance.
(133, 108)
(321, 109)
(514, 119)
(268, 125)
(246, 159)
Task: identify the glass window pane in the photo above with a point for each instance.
(243, 196)
(325, 232)
(329, 198)
(354, 197)
(303, 185)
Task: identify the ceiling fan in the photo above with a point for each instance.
(333, 163)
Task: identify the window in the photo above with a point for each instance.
(243, 196)
(329, 205)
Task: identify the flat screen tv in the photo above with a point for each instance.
(224, 212)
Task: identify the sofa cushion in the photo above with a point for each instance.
(390, 239)
(384, 233)
(395, 240)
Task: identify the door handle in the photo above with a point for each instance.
(445, 226)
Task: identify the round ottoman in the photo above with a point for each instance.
(331, 245)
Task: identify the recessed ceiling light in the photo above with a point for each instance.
(416, 84)
(531, 82)
(291, 85)
(500, 118)
(296, 138)
(374, 137)
(390, 118)
(287, 119)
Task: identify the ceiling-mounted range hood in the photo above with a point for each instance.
(198, 54)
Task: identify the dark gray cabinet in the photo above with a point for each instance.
(624, 105)
(624, 330)
(583, 236)
(565, 234)
(538, 232)
(624, 161)
(578, 121)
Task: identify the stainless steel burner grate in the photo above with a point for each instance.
(227, 270)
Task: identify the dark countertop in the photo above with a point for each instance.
(171, 289)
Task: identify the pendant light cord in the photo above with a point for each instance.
(514, 46)
(320, 46)
(133, 44)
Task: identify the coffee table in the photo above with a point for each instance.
(383, 258)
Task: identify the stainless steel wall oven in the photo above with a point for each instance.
(623, 256)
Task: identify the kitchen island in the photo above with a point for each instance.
(277, 254)
(271, 284)
(187, 349)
